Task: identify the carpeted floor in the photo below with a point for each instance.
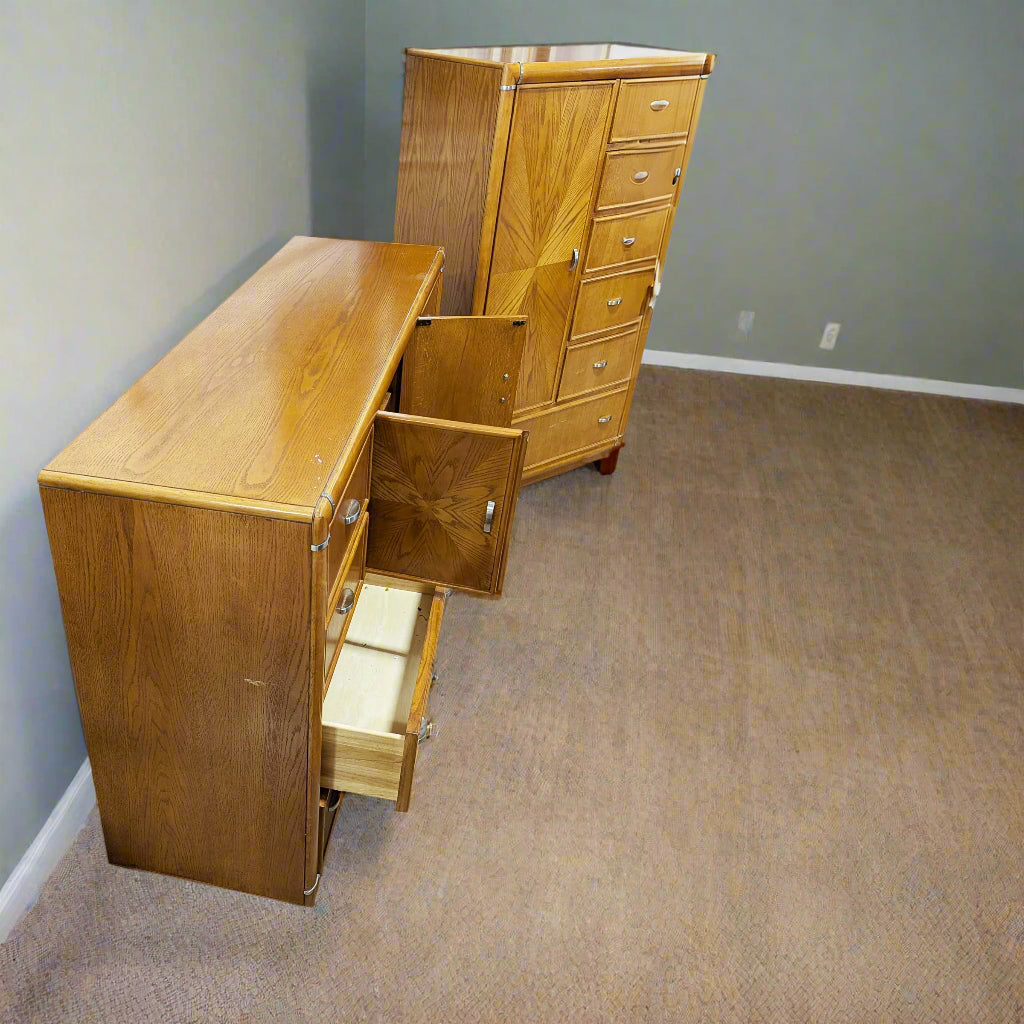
(743, 741)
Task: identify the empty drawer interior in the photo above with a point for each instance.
(366, 711)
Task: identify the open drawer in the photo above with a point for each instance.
(374, 713)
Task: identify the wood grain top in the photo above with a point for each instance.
(257, 405)
(579, 61)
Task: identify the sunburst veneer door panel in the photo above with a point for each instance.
(430, 484)
(555, 146)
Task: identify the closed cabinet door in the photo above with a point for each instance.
(555, 147)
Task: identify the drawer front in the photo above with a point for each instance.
(598, 365)
(353, 502)
(577, 426)
(377, 698)
(343, 608)
(639, 174)
(653, 107)
(636, 236)
(613, 301)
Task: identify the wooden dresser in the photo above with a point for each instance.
(253, 556)
(551, 176)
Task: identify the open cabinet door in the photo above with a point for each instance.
(463, 368)
(442, 497)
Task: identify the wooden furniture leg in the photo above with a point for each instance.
(606, 466)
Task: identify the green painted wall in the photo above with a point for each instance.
(862, 163)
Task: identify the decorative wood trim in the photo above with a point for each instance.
(317, 608)
(626, 67)
(174, 496)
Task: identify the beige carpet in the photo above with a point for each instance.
(744, 741)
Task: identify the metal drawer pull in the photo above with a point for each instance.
(640, 176)
(675, 179)
(628, 242)
(615, 302)
(348, 598)
(659, 104)
(575, 259)
(601, 365)
(489, 517)
(604, 419)
(352, 510)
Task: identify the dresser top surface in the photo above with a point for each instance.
(272, 389)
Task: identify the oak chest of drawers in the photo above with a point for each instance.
(551, 175)
(253, 555)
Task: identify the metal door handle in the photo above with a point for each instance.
(348, 598)
(601, 365)
(628, 242)
(659, 104)
(426, 729)
(615, 302)
(640, 176)
(575, 259)
(604, 419)
(489, 517)
(675, 179)
(352, 510)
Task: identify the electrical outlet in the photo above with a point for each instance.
(745, 321)
(828, 336)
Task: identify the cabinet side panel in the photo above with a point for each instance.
(448, 123)
(188, 632)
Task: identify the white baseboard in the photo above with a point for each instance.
(827, 375)
(54, 840)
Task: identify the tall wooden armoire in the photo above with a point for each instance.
(551, 175)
